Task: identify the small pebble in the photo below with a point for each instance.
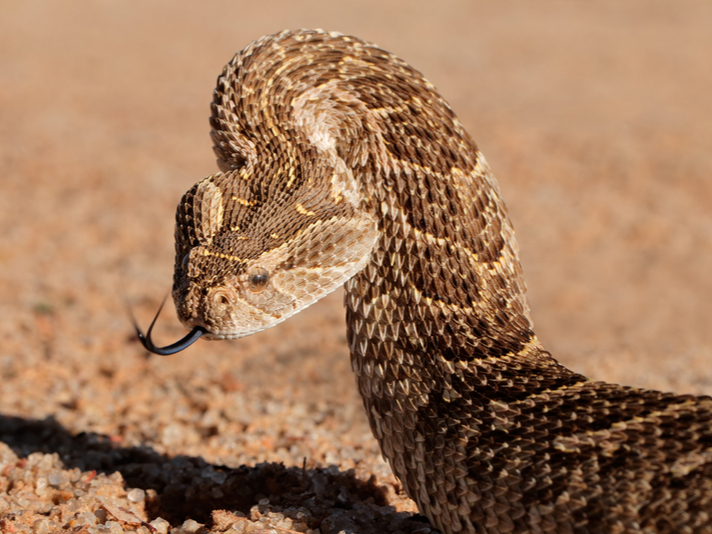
(40, 485)
(41, 526)
(101, 515)
(190, 527)
(219, 477)
(161, 525)
(56, 478)
(86, 518)
(207, 472)
(136, 495)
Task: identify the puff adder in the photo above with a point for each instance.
(342, 164)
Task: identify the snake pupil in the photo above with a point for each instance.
(257, 279)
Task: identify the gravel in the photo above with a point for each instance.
(591, 118)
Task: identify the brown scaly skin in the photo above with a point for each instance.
(343, 164)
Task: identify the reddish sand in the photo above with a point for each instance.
(595, 116)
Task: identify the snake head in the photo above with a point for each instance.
(248, 257)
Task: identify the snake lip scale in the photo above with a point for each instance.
(341, 165)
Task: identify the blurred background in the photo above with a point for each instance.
(596, 117)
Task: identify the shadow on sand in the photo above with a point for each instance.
(191, 488)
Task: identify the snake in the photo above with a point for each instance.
(340, 164)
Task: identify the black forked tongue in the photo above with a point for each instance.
(183, 343)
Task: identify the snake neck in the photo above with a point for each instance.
(439, 331)
(441, 306)
(417, 342)
(444, 285)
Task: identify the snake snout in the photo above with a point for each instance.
(208, 309)
(216, 305)
(219, 299)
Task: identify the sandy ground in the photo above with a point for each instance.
(595, 116)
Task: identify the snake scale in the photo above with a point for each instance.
(340, 164)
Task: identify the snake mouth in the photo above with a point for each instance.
(183, 343)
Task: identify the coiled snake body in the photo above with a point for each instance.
(342, 164)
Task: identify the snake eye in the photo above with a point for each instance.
(257, 279)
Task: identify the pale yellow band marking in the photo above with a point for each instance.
(301, 209)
